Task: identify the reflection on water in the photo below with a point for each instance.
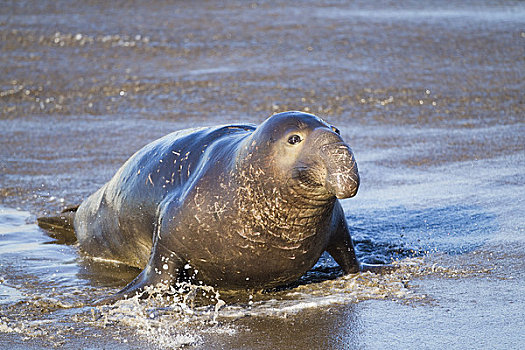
(495, 14)
(397, 232)
(8, 294)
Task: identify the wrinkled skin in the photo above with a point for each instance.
(244, 206)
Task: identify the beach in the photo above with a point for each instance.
(429, 95)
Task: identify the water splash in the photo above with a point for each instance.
(170, 318)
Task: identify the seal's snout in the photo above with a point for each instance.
(342, 177)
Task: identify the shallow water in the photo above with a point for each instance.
(429, 96)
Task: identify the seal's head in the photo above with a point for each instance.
(305, 153)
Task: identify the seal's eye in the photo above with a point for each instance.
(336, 130)
(294, 139)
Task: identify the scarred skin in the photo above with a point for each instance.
(244, 206)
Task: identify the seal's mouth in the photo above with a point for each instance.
(308, 176)
(342, 177)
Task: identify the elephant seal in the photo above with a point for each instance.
(241, 206)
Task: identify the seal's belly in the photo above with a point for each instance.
(258, 267)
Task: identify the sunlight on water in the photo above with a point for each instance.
(496, 14)
(187, 315)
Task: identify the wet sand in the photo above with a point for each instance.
(429, 96)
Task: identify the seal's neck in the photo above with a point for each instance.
(277, 208)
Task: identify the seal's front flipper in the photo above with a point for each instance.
(60, 227)
(161, 271)
(344, 254)
(341, 247)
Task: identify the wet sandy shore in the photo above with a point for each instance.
(429, 95)
(88, 84)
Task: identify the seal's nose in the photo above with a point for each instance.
(342, 177)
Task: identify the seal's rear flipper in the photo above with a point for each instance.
(60, 227)
(162, 270)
